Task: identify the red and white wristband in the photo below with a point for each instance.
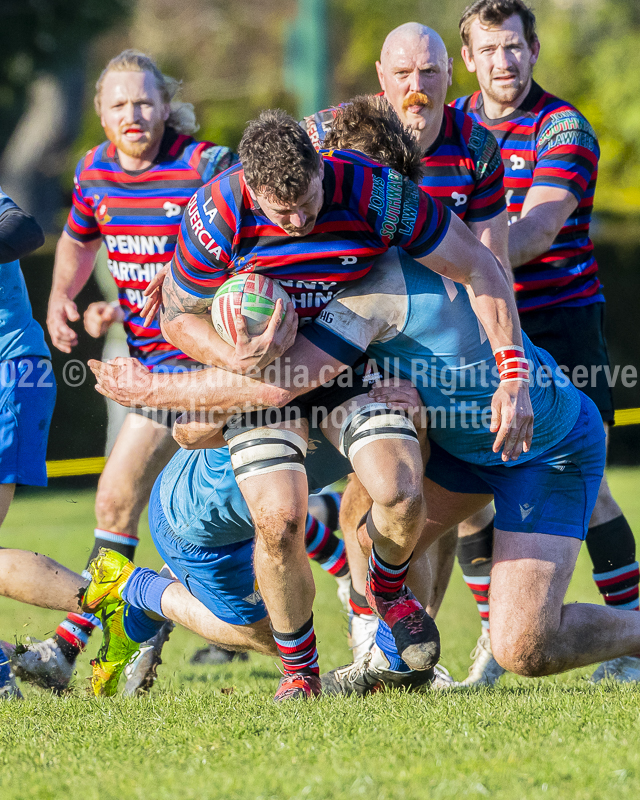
(512, 364)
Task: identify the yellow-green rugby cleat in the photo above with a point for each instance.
(116, 651)
(109, 572)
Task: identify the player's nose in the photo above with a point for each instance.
(500, 58)
(415, 84)
(299, 219)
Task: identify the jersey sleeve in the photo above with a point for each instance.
(214, 160)
(20, 234)
(203, 249)
(417, 222)
(81, 222)
(487, 198)
(567, 152)
(318, 126)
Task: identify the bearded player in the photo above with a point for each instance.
(130, 193)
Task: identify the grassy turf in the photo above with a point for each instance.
(214, 732)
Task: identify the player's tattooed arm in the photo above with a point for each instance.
(175, 301)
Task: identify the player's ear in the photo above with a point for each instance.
(166, 111)
(450, 72)
(467, 57)
(535, 51)
(380, 75)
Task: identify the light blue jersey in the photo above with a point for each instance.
(20, 334)
(421, 326)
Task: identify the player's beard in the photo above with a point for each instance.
(140, 148)
(505, 95)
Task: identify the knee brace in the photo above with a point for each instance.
(371, 423)
(257, 452)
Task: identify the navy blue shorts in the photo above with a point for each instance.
(27, 398)
(554, 493)
(221, 578)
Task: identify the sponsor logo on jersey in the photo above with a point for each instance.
(197, 225)
(517, 162)
(460, 199)
(102, 209)
(171, 209)
(136, 245)
(126, 271)
(567, 127)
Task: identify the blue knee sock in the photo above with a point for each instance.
(386, 642)
(138, 626)
(144, 590)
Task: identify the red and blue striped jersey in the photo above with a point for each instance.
(138, 214)
(547, 142)
(367, 209)
(462, 168)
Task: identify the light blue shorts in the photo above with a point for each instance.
(27, 398)
(221, 578)
(554, 493)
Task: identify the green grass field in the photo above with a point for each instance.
(194, 738)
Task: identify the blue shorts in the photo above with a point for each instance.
(221, 578)
(554, 493)
(27, 398)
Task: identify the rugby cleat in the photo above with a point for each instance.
(300, 686)
(372, 673)
(625, 669)
(8, 687)
(415, 633)
(116, 651)
(441, 678)
(485, 670)
(213, 655)
(362, 633)
(42, 664)
(109, 573)
(141, 673)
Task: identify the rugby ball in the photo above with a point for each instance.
(252, 295)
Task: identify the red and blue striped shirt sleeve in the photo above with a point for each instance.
(81, 222)
(567, 152)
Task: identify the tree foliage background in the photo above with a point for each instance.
(231, 59)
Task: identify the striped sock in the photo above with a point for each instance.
(479, 585)
(73, 633)
(475, 554)
(358, 603)
(124, 543)
(386, 578)
(324, 547)
(298, 649)
(619, 587)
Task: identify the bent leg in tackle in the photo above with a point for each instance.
(384, 449)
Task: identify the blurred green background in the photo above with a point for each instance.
(236, 58)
